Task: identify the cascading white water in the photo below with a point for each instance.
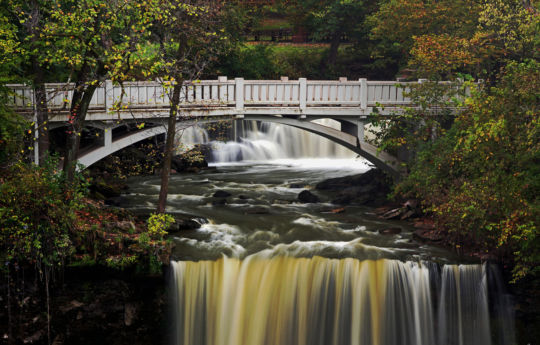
(273, 141)
(266, 141)
(189, 137)
(318, 301)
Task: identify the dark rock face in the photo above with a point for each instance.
(186, 222)
(96, 306)
(369, 188)
(390, 231)
(306, 196)
(190, 161)
(222, 194)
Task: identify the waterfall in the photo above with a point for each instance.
(188, 137)
(267, 141)
(319, 301)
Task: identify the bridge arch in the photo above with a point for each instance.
(345, 137)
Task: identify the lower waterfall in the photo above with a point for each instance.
(320, 301)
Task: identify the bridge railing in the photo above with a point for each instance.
(238, 93)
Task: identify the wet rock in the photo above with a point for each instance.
(221, 201)
(408, 214)
(186, 222)
(190, 161)
(116, 201)
(243, 197)
(390, 231)
(221, 194)
(369, 188)
(107, 190)
(297, 185)
(306, 196)
(393, 213)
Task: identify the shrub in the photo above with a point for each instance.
(36, 215)
(158, 223)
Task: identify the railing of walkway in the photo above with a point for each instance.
(238, 93)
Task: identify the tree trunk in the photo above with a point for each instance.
(42, 115)
(79, 108)
(169, 147)
(42, 119)
(333, 52)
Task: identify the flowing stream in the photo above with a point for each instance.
(265, 269)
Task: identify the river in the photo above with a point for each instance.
(264, 268)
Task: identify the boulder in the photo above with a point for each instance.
(108, 190)
(186, 222)
(222, 194)
(219, 201)
(190, 161)
(306, 196)
(390, 231)
(369, 188)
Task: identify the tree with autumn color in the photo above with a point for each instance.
(92, 40)
(190, 35)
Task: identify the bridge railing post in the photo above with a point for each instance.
(363, 93)
(302, 94)
(239, 93)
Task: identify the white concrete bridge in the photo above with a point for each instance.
(290, 102)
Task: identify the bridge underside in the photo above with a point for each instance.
(350, 136)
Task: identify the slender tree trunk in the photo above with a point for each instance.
(42, 120)
(79, 108)
(42, 115)
(169, 147)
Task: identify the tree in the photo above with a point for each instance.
(396, 24)
(328, 19)
(480, 180)
(93, 40)
(191, 34)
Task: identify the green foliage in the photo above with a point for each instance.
(413, 127)
(12, 127)
(158, 223)
(480, 180)
(36, 217)
(272, 62)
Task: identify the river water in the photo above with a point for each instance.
(266, 269)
